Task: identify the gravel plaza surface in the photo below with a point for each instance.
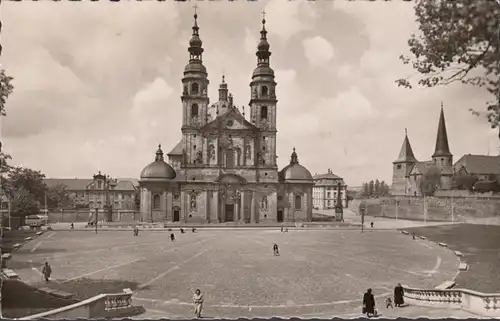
(318, 273)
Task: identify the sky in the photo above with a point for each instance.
(98, 85)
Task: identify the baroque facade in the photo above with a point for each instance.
(325, 191)
(224, 168)
(98, 191)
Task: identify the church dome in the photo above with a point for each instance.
(158, 170)
(263, 71)
(295, 172)
(195, 67)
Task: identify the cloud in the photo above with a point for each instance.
(99, 94)
(318, 51)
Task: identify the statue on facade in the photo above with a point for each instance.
(254, 93)
(199, 157)
(193, 202)
(211, 151)
(248, 152)
(272, 92)
(264, 204)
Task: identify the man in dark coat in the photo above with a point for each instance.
(399, 295)
(369, 303)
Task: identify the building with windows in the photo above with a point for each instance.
(408, 173)
(224, 168)
(325, 191)
(94, 193)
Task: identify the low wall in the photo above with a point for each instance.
(484, 304)
(83, 216)
(101, 306)
(457, 209)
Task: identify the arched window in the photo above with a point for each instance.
(156, 202)
(195, 88)
(194, 110)
(264, 91)
(298, 202)
(263, 112)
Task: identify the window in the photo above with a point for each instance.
(298, 202)
(265, 92)
(229, 158)
(194, 110)
(398, 166)
(156, 202)
(99, 184)
(263, 112)
(195, 88)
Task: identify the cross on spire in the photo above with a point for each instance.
(195, 7)
(406, 131)
(263, 15)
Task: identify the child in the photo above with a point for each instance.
(388, 303)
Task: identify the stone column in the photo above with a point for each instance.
(309, 206)
(287, 215)
(252, 209)
(170, 216)
(208, 195)
(237, 209)
(242, 215)
(215, 205)
(184, 206)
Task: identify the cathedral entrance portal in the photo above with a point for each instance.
(280, 216)
(177, 215)
(230, 197)
(229, 213)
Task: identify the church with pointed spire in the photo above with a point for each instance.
(224, 167)
(408, 171)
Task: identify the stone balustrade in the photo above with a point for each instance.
(484, 304)
(101, 306)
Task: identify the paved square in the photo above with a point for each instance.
(319, 272)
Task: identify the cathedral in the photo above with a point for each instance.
(408, 172)
(224, 168)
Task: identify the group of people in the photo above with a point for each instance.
(369, 301)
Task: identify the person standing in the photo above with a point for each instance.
(198, 302)
(276, 250)
(369, 303)
(172, 237)
(399, 295)
(46, 271)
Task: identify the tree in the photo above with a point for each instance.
(458, 42)
(430, 181)
(26, 189)
(366, 191)
(6, 88)
(377, 187)
(371, 188)
(58, 196)
(23, 203)
(464, 182)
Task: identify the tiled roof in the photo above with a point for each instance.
(80, 184)
(480, 164)
(328, 179)
(177, 149)
(423, 167)
(406, 153)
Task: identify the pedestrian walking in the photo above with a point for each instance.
(182, 230)
(172, 237)
(194, 230)
(276, 250)
(286, 230)
(198, 302)
(371, 224)
(399, 295)
(46, 271)
(413, 235)
(388, 303)
(281, 228)
(72, 225)
(369, 303)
